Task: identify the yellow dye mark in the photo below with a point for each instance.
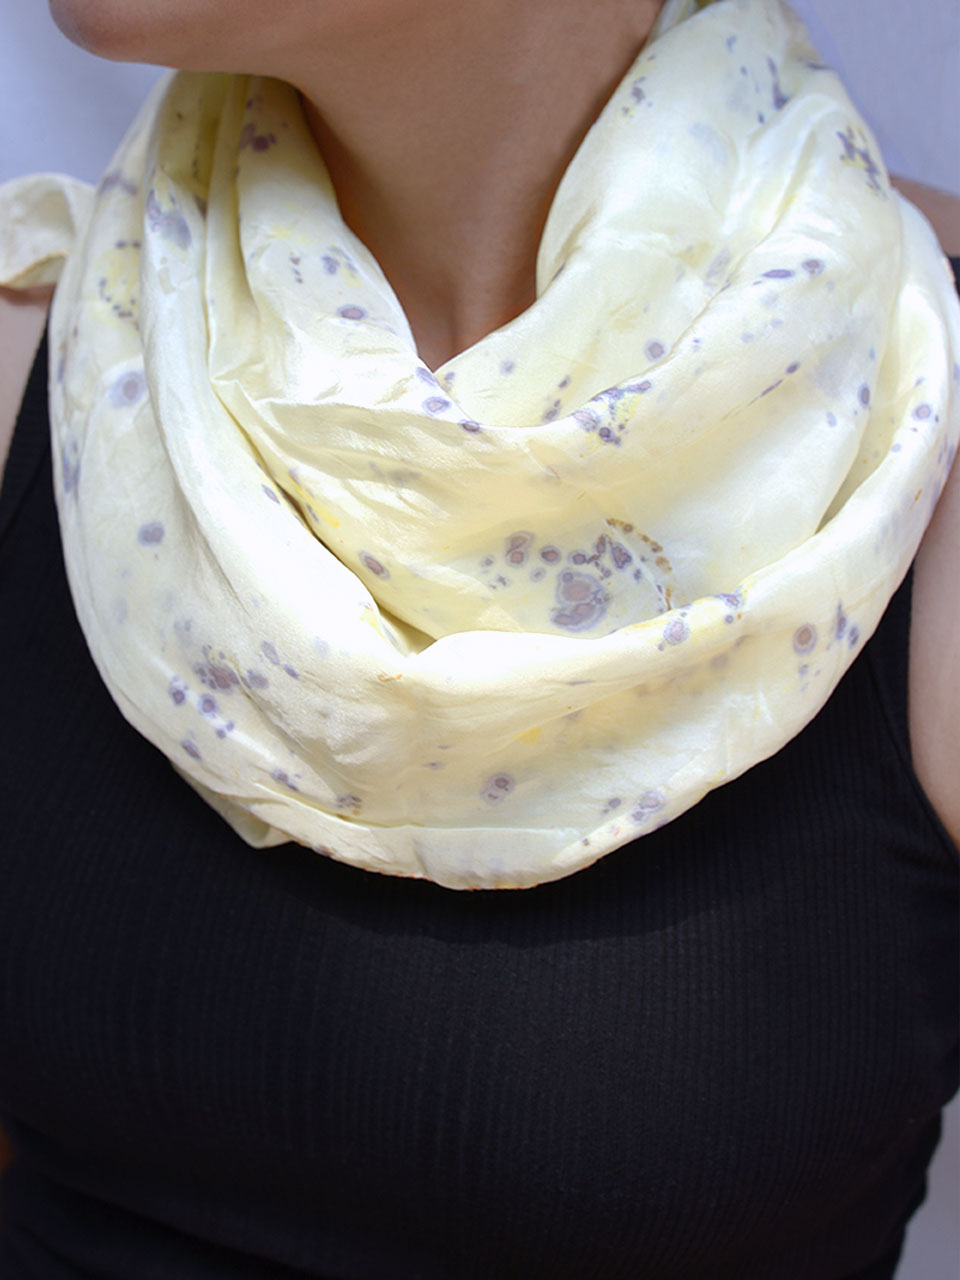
(319, 510)
(396, 392)
(531, 736)
(369, 616)
(326, 516)
(385, 679)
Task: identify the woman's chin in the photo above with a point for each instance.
(95, 25)
(136, 31)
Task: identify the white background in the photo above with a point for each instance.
(63, 110)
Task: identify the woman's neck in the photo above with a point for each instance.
(447, 134)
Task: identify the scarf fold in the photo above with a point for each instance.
(484, 624)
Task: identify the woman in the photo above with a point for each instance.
(720, 1051)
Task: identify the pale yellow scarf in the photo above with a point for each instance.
(486, 624)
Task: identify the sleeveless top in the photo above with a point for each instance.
(720, 1052)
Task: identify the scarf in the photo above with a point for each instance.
(485, 624)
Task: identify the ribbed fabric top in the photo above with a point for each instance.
(719, 1053)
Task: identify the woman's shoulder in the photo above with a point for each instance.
(934, 684)
(934, 688)
(22, 319)
(940, 208)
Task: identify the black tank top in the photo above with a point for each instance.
(718, 1054)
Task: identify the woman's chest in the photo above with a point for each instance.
(719, 1052)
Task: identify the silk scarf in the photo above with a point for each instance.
(483, 624)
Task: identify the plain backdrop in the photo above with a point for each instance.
(65, 111)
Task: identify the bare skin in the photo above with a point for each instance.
(460, 246)
(446, 127)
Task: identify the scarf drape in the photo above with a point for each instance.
(486, 623)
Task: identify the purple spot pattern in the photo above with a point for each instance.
(805, 638)
(255, 141)
(169, 224)
(497, 788)
(860, 156)
(648, 803)
(676, 631)
(70, 466)
(606, 415)
(128, 389)
(581, 597)
(374, 565)
(215, 675)
(581, 601)
(581, 594)
(780, 99)
(620, 555)
(150, 535)
(115, 181)
(517, 548)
